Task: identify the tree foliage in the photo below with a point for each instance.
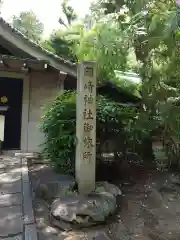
(28, 24)
(58, 44)
(152, 31)
(59, 127)
(69, 14)
(105, 44)
(141, 36)
(62, 41)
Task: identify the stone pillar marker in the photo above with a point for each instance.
(85, 164)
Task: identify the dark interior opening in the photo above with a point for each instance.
(70, 83)
(12, 89)
(5, 51)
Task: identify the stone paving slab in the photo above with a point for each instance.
(5, 162)
(5, 165)
(27, 155)
(7, 188)
(10, 169)
(11, 222)
(16, 210)
(10, 177)
(30, 232)
(14, 238)
(10, 200)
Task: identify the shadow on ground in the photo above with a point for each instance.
(11, 216)
(148, 210)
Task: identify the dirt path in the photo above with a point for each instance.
(148, 210)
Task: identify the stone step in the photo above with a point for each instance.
(29, 155)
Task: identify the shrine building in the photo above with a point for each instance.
(30, 77)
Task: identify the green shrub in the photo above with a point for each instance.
(59, 127)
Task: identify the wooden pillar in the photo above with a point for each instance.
(86, 127)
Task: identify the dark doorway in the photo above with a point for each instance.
(12, 89)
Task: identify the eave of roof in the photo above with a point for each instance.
(12, 35)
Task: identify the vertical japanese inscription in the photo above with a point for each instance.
(89, 100)
(86, 127)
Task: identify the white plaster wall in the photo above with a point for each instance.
(43, 87)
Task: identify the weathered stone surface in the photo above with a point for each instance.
(14, 187)
(72, 236)
(48, 236)
(12, 211)
(44, 173)
(17, 237)
(84, 210)
(61, 224)
(96, 235)
(155, 199)
(25, 174)
(140, 237)
(40, 161)
(118, 230)
(10, 200)
(30, 232)
(151, 220)
(10, 221)
(54, 189)
(41, 211)
(27, 155)
(14, 163)
(10, 160)
(163, 234)
(10, 177)
(168, 188)
(73, 209)
(108, 187)
(27, 206)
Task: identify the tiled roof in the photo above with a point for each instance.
(35, 45)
